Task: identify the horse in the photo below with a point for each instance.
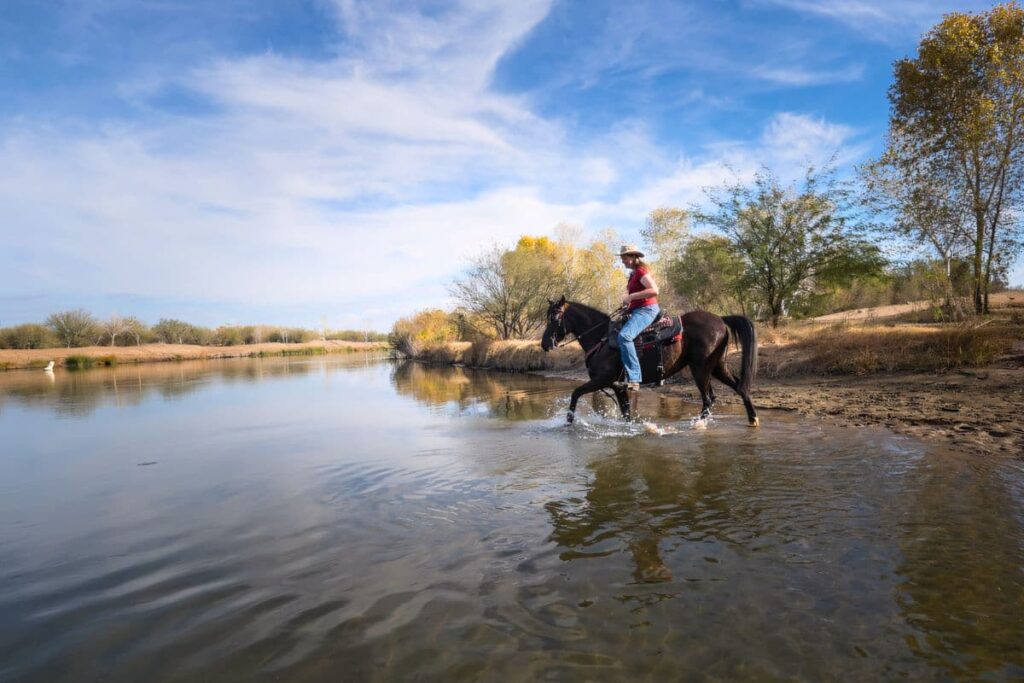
(703, 348)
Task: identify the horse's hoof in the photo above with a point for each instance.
(756, 422)
(570, 416)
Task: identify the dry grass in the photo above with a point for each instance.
(511, 356)
(11, 359)
(863, 349)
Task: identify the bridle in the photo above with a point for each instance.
(560, 319)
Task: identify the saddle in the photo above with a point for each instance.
(663, 331)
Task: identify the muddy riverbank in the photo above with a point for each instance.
(959, 385)
(978, 410)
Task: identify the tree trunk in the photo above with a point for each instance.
(979, 245)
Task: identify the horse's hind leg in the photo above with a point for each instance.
(724, 375)
(702, 377)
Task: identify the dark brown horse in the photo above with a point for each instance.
(703, 349)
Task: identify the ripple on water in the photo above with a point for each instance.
(481, 537)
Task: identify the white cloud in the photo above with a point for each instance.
(354, 185)
(796, 140)
(801, 76)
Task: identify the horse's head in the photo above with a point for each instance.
(555, 330)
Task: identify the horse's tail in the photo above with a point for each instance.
(744, 335)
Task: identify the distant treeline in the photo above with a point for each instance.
(76, 328)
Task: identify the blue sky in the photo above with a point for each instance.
(290, 161)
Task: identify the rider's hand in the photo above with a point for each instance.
(625, 300)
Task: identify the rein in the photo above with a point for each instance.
(586, 357)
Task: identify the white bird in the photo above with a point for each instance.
(49, 367)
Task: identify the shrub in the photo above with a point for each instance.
(27, 336)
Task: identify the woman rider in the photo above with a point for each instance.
(641, 301)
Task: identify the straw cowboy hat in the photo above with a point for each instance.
(630, 250)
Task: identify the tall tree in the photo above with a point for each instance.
(791, 239)
(961, 102)
(665, 232)
(922, 202)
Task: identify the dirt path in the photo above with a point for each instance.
(995, 301)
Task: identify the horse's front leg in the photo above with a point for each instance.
(623, 396)
(591, 386)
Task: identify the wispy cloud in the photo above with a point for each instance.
(358, 181)
(801, 76)
(883, 19)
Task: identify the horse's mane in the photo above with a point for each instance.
(590, 310)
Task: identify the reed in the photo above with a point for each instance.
(77, 362)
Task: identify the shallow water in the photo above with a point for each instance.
(350, 519)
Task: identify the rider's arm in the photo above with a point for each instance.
(651, 289)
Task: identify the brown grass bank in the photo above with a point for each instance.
(13, 359)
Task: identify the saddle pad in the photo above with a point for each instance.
(664, 330)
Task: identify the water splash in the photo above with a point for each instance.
(700, 423)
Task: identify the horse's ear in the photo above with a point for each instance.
(550, 302)
(562, 300)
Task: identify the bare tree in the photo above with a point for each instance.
(73, 328)
(115, 326)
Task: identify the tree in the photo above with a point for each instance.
(171, 331)
(114, 326)
(136, 329)
(73, 328)
(431, 326)
(710, 274)
(665, 232)
(792, 239)
(961, 102)
(923, 201)
(27, 336)
(507, 290)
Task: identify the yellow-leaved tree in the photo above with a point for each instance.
(505, 292)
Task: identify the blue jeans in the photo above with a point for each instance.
(639, 318)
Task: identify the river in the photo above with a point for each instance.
(347, 518)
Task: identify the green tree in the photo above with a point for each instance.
(73, 328)
(27, 336)
(961, 103)
(709, 272)
(793, 240)
(665, 233)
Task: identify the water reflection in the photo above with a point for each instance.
(78, 394)
(963, 567)
(511, 396)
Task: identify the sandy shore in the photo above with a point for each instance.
(13, 359)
